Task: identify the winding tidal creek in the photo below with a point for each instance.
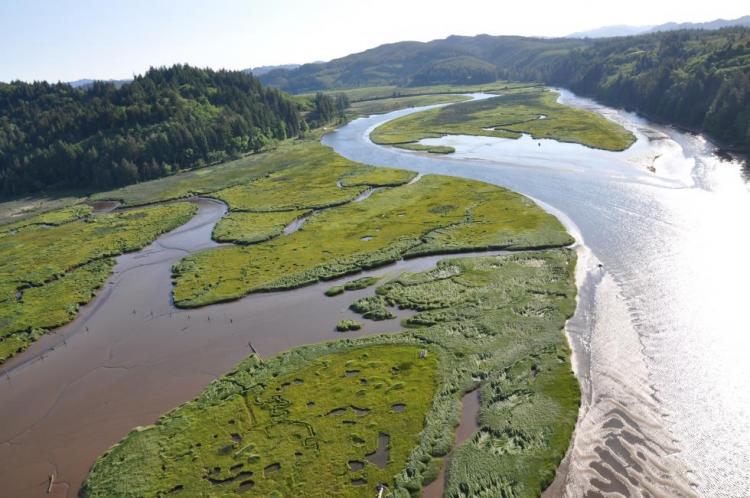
(131, 356)
(660, 334)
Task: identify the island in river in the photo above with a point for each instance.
(376, 410)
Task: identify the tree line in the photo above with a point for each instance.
(698, 79)
(692, 78)
(53, 136)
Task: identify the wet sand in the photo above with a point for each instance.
(131, 355)
(657, 382)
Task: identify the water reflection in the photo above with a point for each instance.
(661, 336)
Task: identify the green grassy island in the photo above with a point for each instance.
(341, 418)
(532, 110)
(52, 263)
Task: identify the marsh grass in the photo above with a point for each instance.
(436, 214)
(315, 178)
(348, 325)
(251, 228)
(357, 284)
(533, 110)
(54, 262)
(16, 210)
(385, 105)
(387, 92)
(292, 427)
(314, 414)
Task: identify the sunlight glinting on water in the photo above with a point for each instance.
(660, 335)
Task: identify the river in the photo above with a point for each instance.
(660, 336)
(131, 356)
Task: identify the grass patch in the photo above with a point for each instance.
(433, 149)
(315, 178)
(370, 93)
(348, 325)
(435, 214)
(358, 284)
(202, 181)
(288, 428)
(382, 106)
(524, 110)
(20, 209)
(48, 270)
(372, 308)
(312, 421)
(251, 228)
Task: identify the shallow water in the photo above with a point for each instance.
(468, 424)
(131, 356)
(660, 335)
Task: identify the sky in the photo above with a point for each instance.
(66, 40)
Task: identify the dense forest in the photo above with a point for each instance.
(464, 70)
(693, 78)
(54, 136)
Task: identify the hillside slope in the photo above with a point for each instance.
(692, 78)
(56, 136)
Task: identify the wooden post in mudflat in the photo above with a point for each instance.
(252, 348)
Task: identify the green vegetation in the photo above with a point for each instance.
(51, 218)
(251, 228)
(382, 106)
(528, 110)
(458, 70)
(54, 262)
(310, 421)
(501, 316)
(305, 424)
(304, 154)
(696, 79)
(308, 183)
(315, 178)
(372, 308)
(25, 207)
(436, 214)
(693, 78)
(54, 136)
(358, 284)
(372, 93)
(348, 325)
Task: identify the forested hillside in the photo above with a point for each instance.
(696, 79)
(400, 63)
(55, 136)
(692, 78)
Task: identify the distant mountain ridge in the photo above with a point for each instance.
(261, 70)
(625, 30)
(695, 78)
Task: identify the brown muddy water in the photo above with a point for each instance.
(131, 355)
(467, 426)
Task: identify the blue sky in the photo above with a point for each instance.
(67, 40)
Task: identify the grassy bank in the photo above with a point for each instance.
(371, 93)
(52, 263)
(339, 418)
(384, 105)
(436, 214)
(525, 110)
